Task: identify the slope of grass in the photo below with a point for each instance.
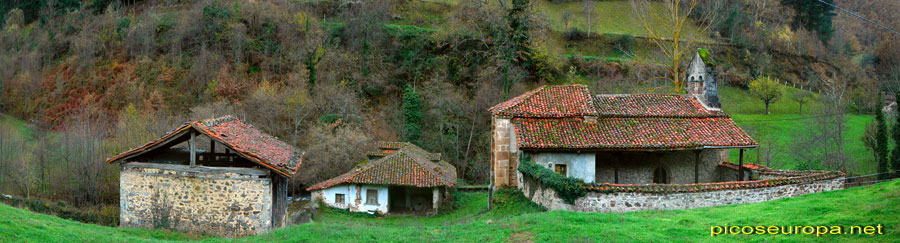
(783, 131)
(608, 17)
(518, 220)
(21, 225)
(739, 101)
(785, 126)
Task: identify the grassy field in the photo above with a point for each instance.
(607, 17)
(518, 220)
(785, 125)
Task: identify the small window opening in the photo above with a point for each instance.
(339, 199)
(561, 169)
(372, 197)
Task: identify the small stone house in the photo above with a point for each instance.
(400, 178)
(233, 186)
(619, 138)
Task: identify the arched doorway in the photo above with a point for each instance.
(660, 176)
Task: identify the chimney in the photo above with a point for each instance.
(436, 157)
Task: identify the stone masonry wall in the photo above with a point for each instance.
(634, 201)
(221, 203)
(503, 160)
(638, 168)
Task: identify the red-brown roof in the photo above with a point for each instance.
(652, 105)
(549, 101)
(240, 137)
(751, 166)
(623, 121)
(408, 166)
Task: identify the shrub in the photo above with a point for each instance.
(567, 188)
(575, 34)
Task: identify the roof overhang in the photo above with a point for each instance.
(178, 135)
(588, 150)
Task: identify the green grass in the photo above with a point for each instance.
(739, 101)
(782, 131)
(608, 17)
(785, 125)
(518, 220)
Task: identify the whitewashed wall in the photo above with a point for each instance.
(578, 165)
(354, 201)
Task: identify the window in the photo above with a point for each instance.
(561, 169)
(372, 197)
(339, 199)
(660, 176)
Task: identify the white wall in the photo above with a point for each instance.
(353, 201)
(578, 165)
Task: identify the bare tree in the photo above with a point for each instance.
(566, 17)
(672, 30)
(801, 97)
(587, 8)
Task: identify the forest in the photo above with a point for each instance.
(83, 80)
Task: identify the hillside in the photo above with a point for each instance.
(517, 220)
(780, 132)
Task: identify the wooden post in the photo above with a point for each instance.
(212, 149)
(616, 171)
(616, 160)
(193, 149)
(741, 165)
(697, 166)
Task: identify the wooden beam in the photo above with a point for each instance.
(193, 143)
(212, 148)
(199, 169)
(697, 166)
(741, 166)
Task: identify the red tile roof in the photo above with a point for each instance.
(751, 166)
(652, 105)
(552, 117)
(409, 166)
(628, 133)
(240, 137)
(549, 101)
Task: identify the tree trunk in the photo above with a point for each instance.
(767, 108)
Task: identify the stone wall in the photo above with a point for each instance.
(229, 202)
(503, 152)
(638, 168)
(634, 201)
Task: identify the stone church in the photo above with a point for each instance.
(620, 138)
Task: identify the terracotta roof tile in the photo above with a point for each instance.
(549, 101)
(628, 133)
(552, 117)
(243, 138)
(409, 166)
(652, 105)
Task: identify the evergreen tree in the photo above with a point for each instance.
(881, 144)
(517, 41)
(412, 115)
(813, 15)
(519, 28)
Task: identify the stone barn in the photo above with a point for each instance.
(619, 138)
(234, 184)
(400, 178)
